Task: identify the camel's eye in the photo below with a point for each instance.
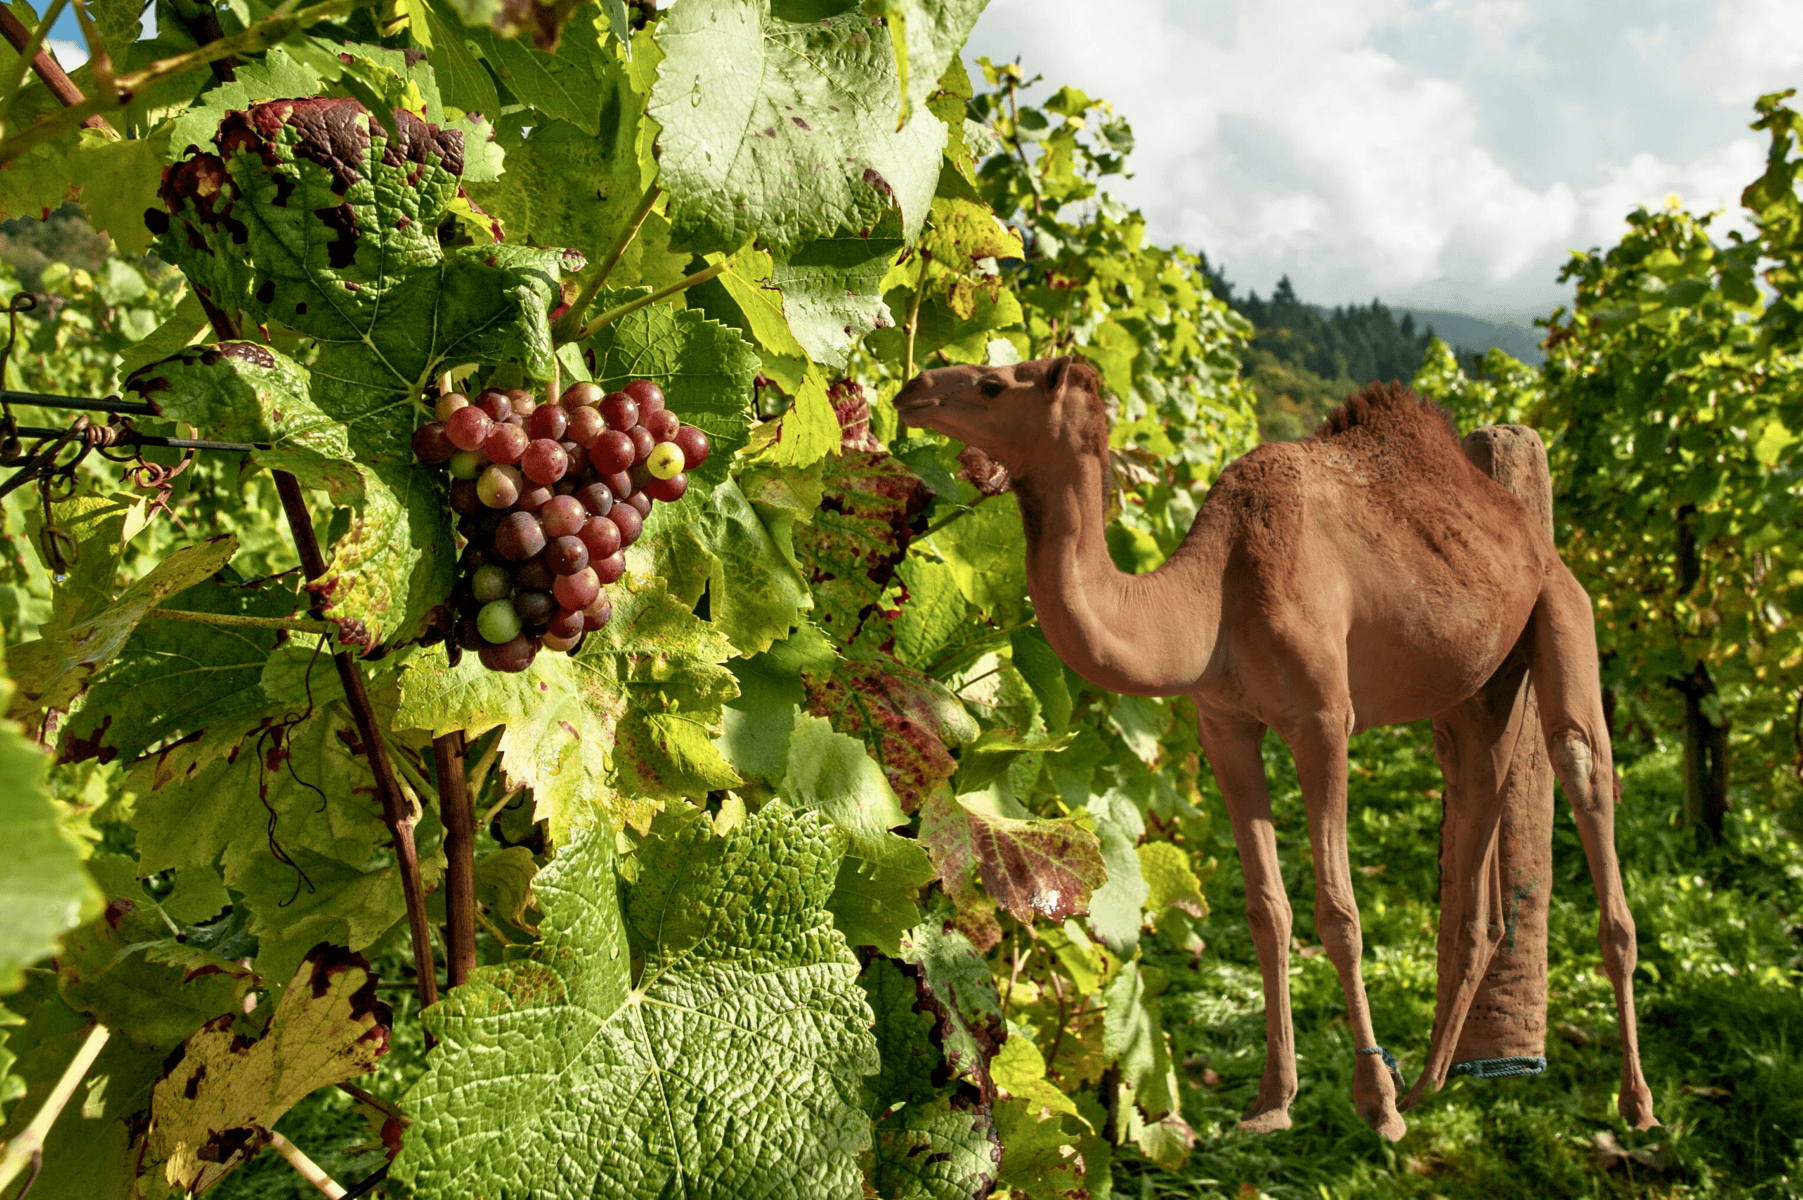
(992, 388)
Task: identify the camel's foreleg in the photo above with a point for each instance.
(1232, 747)
(1319, 746)
(1566, 679)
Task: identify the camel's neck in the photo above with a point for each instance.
(1147, 635)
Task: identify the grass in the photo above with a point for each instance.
(1721, 1017)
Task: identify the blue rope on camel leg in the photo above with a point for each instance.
(1389, 1061)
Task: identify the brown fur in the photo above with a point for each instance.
(1369, 575)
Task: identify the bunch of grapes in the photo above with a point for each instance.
(548, 497)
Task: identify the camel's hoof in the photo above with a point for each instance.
(1387, 1124)
(1636, 1108)
(1269, 1121)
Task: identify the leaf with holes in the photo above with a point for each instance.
(857, 537)
(710, 1037)
(956, 985)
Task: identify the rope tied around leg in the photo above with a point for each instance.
(1389, 1061)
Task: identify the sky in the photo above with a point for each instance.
(1437, 154)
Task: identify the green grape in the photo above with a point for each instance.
(491, 582)
(467, 464)
(497, 622)
(665, 460)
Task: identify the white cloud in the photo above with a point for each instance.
(69, 55)
(1434, 154)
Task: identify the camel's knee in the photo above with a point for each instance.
(1616, 934)
(1576, 762)
(1269, 915)
(1337, 925)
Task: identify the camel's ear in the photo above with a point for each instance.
(1069, 371)
(1054, 376)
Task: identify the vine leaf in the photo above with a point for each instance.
(52, 671)
(858, 535)
(1033, 867)
(221, 1094)
(43, 891)
(832, 290)
(785, 129)
(945, 1149)
(955, 984)
(731, 1063)
(907, 719)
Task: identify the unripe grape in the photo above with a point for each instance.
(535, 497)
(662, 424)
(563, 516)
(534, 575)
(566, 555)
(580, 395)
(620, 411)
(596, 497)
(449, 403)
(609, 569)
(544, 461)
(491, 582)
(565, 623)
(495, 404)
(648, 394)
(512, 657)
(505, 444)
(585, 425)
(630, 521)
(500, 486)
(557, 643)
(468, 428)
(548, 421)
(602, 537)
(534, 608)
(577, 591)
(665, 460)
(612, 452)
(519, 536)
(694, 445)
(464, 500)
(642, 443)
(597, 615)
(467, 464)
(431, 446)
(667, 490)
(497, 622)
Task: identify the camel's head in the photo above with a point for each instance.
(1032, 413)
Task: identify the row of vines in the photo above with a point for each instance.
(813, 872)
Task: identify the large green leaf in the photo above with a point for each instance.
(832, 290)
(720, 546)
(785, 129)
(726, 1062)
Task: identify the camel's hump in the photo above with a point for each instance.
(1388, 407)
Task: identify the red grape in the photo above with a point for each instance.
(612, 452)
(620, 411)
(563, 516)
(667, 490)
(565, 624)
(630, 521)
(495, 404)
(512, 657)
(620, 484)
(610, 568)
(581, 395)
(552, 642)
(535, 576)
(449, 403)
(499, 486)
(566, 555)
(431, 446)
(468, 428)
(506, 443)
(642, 442)
(464, 499)
(694, 446)
(577, 591)
(640, 501)
(648, 394)
(585, 425)
(524, 402)
(602, 537)
(535, 608)
(533, 498)
(519, 536)
(548, 421)
(577, 457)
(662, 424)
(472, 559)
(596, 497)
(544, 461)
(597, 615)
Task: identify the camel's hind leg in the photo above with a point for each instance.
(1563, 662)
(1239, 768)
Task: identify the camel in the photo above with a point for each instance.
(1370, 575)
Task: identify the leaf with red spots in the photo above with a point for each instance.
(1031, 867)
(956, 986)
(907, 719)
(222, 1093)
(857, 536)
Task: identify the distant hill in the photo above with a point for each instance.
(1470, 335)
